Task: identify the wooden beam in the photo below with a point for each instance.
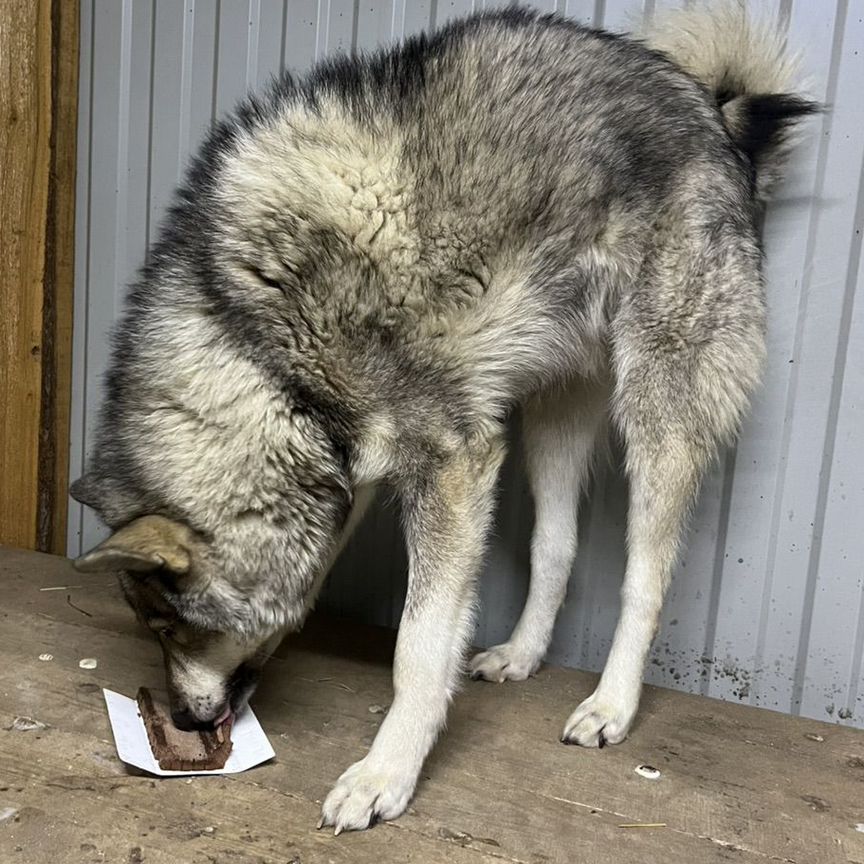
(38, 113)
(57, 383)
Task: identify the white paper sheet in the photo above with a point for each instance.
(251, 746)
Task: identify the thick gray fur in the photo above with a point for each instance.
(366, 272)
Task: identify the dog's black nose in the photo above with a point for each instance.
(185, 722)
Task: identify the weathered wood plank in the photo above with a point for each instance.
(317, 732)
(25, 130)
(67, 812)
(738, 783)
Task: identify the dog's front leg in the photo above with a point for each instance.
(447, 511)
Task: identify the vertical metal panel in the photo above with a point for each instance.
(767, 604)
(78, 406)
(448, 9)
(235, 67)
(299, 35)
(270, 37)
(107, 153)
(204, 57)
(339, 22)
(416, 16)
(832, 602)
(583, 11)
(374, 24)
(748, 575)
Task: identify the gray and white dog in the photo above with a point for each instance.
(365, 272)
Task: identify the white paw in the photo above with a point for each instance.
(364, 794)
(600, 720)
(504, 663)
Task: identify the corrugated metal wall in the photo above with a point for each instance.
(768, 605)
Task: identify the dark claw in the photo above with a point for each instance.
(567, 741)
(601, 741)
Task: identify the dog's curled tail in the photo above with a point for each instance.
(746, 65)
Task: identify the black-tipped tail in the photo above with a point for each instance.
(761, 126)
(749, 70)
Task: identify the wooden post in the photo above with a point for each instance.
(38, 111)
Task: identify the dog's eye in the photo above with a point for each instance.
(166, 632)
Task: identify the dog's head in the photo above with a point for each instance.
(168, 578)
(219, 601)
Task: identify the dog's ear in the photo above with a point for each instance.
(148, 543)
(84, 491)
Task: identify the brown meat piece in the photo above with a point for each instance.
(182, 751)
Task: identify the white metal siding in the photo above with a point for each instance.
(768, 604)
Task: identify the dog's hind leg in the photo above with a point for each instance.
(684, 368)
(560, 430)
(447, 510)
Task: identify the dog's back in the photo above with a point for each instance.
(499, 185)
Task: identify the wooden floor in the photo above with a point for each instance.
(738, 784)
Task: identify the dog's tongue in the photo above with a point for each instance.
(225, 715)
